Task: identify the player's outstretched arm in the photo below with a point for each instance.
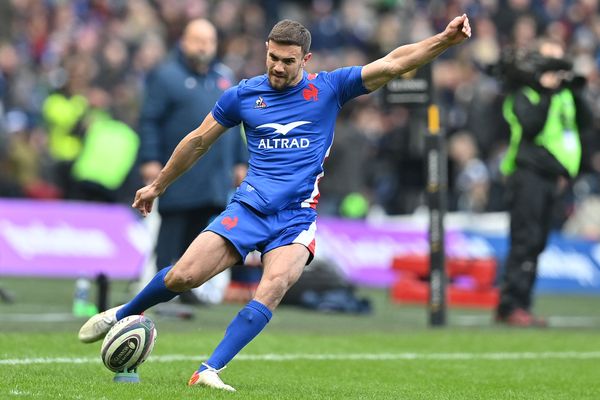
(187, 152)
(411, 56)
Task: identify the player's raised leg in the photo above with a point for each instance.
(208, 255)
(282, 268)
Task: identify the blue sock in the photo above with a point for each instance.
(155, 292)
(244, 327)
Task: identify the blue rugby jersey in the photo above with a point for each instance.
(289, 134)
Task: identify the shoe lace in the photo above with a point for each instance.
(217, 371)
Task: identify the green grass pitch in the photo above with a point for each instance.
(391, 354)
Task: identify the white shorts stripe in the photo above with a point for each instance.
(308, 236)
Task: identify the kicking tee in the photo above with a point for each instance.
(289, 134)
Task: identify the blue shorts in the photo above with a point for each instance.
(249, 230)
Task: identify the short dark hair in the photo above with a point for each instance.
(291, 32)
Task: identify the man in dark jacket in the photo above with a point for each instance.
(179, 93)
(546, 117)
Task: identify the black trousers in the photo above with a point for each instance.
(532, 198)
(177, 231)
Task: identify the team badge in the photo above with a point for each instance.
(311, 93)
(229, 223)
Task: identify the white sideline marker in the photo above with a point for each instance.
(508, 356)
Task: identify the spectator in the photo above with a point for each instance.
(27, 157)
(105, 139)
(63, 113)
(471, 177)
(178, 93)
(346, 172)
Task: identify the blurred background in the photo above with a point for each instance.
(373, 208)
(103, 50)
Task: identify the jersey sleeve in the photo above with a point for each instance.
(227, 109)
(347, 83)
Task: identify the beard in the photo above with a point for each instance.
(278, 82)
(199, 61)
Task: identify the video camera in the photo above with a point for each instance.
(518, 67)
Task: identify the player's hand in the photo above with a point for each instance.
(144, 199)
(458, 30)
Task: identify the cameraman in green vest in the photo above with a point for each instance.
(546, 114)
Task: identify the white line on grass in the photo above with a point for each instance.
(328, 357)
(553, 321)
(459, 320)
(46, 317)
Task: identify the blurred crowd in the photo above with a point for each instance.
(65, 64)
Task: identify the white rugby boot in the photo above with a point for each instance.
(98, 326)
(209, 378)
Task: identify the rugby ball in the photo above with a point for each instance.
(128, 343)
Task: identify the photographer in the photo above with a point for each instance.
(546, 113)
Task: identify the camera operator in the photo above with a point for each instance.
(546, 113)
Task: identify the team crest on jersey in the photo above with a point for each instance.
(260, 103)
(229, 223)
(311, 93)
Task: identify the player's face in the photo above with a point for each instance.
(285, 64)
